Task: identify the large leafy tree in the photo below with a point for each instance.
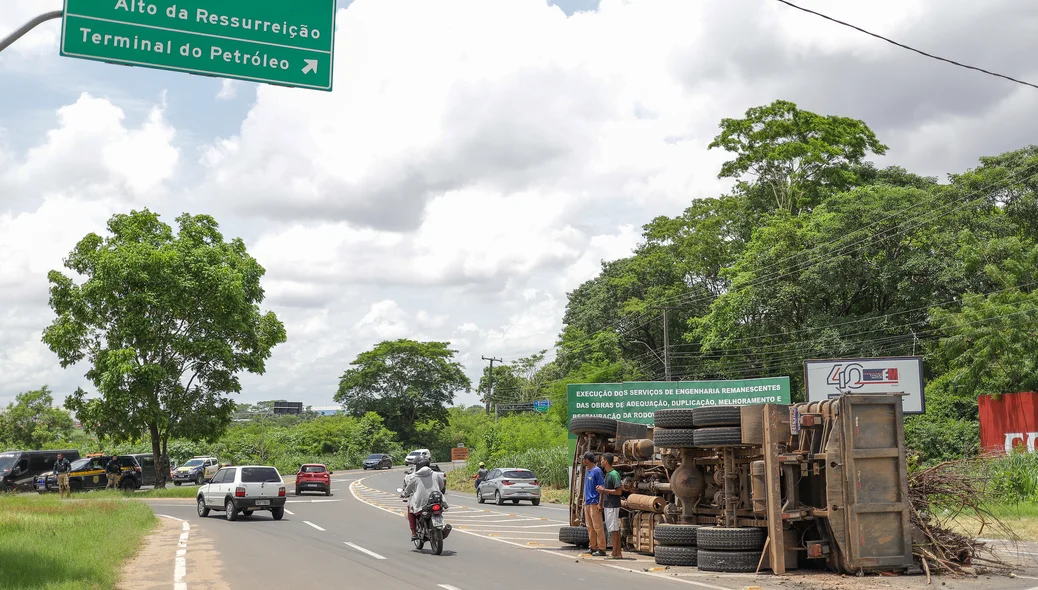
(795, 158)
(32, 421)
(167, 322)
(404, 381)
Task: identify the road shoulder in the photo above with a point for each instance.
(156, 565)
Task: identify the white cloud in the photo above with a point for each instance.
(228, 89)
(476, 160)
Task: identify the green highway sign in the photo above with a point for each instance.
(637, 401)
(285, 42)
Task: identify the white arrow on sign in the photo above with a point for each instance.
(311, 66)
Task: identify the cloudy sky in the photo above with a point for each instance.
(476, 160)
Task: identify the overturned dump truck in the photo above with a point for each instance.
(748, 488)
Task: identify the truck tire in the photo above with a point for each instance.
(686, 556)
(680, 535)
(674, 418)
(725, 436)
(574, 535)
(717, 416)
(593, 424)
(728, 561)
(716, 538)
(674, 438)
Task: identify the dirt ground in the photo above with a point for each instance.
(153, 566)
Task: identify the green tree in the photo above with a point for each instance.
(797, 157)
(405, 382)
(32, 421)
(167, 322)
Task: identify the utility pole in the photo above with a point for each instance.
(666, 344)
(490, 380)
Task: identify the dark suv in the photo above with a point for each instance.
(88, 473)
(20, 469)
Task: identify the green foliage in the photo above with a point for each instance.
(1013, 479)
(405, 382)
(55, 544)
(817, 253)
(32, 421)
(550, 465)
(797, 156)
(166, 323)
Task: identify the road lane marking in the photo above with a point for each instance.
(180, 567)
(448, 587)
(313, 525)
(290, 512)
(363, 550)
(666, 577)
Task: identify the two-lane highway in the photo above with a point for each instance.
(358, 539)
(344, 542)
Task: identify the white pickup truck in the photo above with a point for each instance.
(244, 488)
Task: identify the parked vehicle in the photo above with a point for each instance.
(378, 461)
(147, 462)
(509, 484)
(196, 469)
(245, 489)
(414, 456)
(314, 477)
(89, 473)
(19, 470)
(429, 524)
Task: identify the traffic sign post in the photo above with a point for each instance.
(270, 41)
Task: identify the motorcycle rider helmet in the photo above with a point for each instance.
(421, 463)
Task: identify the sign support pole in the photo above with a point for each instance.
(21, 31)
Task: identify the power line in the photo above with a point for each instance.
(903, 46)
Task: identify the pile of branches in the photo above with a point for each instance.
(943, 495)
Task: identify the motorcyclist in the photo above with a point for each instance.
(422, 482)
(481, 475)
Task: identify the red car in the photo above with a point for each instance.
(314, 477)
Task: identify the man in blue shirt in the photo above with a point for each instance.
(593, 505)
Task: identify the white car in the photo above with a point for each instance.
(417, 454)
(245, 489)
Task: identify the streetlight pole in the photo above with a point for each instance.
(666, 368)
(19, 32)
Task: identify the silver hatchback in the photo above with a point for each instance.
(509, 483)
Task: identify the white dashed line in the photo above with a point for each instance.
(290, 512)
(313, 525)
(448, 587)
(363, 550)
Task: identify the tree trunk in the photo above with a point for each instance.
(165, 458)
(156, 452)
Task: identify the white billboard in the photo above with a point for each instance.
(830, 377)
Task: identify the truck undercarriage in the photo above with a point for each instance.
(746, 488)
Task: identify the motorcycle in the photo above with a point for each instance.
(429, 524)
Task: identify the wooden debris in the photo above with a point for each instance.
(942, 494)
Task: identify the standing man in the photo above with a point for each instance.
(593, 481)
(62, 467)
(113, 470)
(611, 502)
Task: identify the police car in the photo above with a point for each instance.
(89, 473)
(196, 470)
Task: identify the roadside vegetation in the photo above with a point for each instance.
(814, 252)
(50, 544)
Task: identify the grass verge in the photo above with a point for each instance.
(1021, 518)
(54, 544)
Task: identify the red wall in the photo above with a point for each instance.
(1012, 414)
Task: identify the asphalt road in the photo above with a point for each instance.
(358, 538)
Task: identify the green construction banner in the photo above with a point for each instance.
(637, 401)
